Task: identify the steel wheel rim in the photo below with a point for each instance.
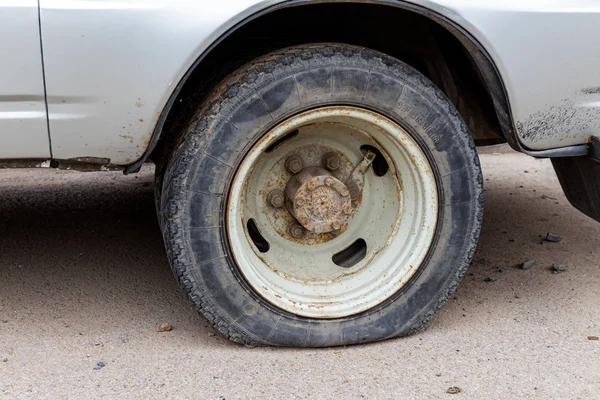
(397, 216)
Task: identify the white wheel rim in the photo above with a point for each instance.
(396, 218)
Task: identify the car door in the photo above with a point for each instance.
(23, 117)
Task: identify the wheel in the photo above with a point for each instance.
(324, 195)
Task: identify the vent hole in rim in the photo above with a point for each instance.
(282, 139)
(257, 238)
(351, 255)
(380, 165)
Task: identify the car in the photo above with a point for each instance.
(317, 178)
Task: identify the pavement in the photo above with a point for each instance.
(84, 280)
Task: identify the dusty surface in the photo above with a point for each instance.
(84, 279)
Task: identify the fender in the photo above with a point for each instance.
(482, 58)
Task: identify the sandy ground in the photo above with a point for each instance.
(84, 278)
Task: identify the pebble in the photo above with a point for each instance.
(5, 360)
(527, 264)
(454, 390)
(558, 268)
(100, 365)
(164, 327)
(491, 279)
(551, 237)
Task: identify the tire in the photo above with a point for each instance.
(200, 171)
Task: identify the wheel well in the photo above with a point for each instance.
(428, 43)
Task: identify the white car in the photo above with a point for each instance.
(317, 182)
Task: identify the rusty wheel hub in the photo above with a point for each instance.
(318, 200)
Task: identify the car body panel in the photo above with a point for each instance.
(23, 123)
(546, 53)
(111, 65)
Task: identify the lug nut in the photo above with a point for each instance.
(293, 164)
(354, 192)
(311, 185)
(296, 230)
(300, 201)
(336, 225)
(347, 209)
(329, 181)
(344, 192)
(276, 198)
(331, 161)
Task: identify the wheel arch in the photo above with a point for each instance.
(481, 60)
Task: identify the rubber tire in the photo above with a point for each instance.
(243, 108)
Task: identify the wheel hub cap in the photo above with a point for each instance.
(318, 200)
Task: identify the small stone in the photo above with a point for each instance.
(6, 359)
(211, 334)
(100, 365)
(527, 264)
(551, 237)
(453, 390)
(589, 338)
(438, 375)
(164, 327)
(491, 279)
(558, 268)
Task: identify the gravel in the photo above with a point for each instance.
(558, 268)
(100, 365)
(527, 264)
(164, 327)
(551, 237)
